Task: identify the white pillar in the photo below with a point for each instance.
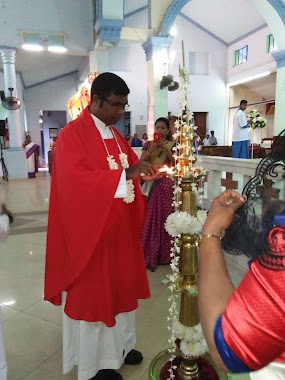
(156, 49)
(99, 60)
(15, 157)
(279, 117)
(9, 59)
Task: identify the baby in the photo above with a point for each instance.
(6, 218)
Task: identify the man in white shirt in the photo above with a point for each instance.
(212, 139)
(240, 139)
(206, 140)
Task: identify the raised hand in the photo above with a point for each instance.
(222, 212)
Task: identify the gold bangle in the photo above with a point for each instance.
(210, 236)
(150, 154)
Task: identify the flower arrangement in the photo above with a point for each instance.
(255, 120)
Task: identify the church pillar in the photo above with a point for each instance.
(279, 117)
(14, 157)
(109, 21)
(156, 49)
(99, 60)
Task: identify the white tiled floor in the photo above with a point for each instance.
(32, 327)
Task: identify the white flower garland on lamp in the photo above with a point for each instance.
(180, 222)
(113, 165)
(192, 341)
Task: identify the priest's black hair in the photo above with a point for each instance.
(108, 83)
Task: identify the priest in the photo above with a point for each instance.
(94, 260)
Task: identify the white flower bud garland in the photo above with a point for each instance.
(192, 341)
(113, 165)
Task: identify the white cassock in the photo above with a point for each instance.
(4, 228)
(93, 346)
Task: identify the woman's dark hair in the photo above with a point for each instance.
(166, 122)
(106, 84)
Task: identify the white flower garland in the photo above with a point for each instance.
(113, 165)
(192, 342)
(180, 222)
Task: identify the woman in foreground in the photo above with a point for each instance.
(244, 327)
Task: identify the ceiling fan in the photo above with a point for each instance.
(10, 103)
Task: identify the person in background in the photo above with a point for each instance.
(91, 269)
(206, 140)
(212, 139)
(240, 138)
(244, 327)
(6, 136)
(6, 218)
(129, 139)
(144, 139)
(156, 241)
(136, 142)
(52, 143)
(31, 150)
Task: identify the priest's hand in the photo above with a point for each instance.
(143, 170)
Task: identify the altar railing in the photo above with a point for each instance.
(225, 173)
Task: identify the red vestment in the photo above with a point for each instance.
(94, 249)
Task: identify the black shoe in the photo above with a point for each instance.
(133, 357)
(107, 374)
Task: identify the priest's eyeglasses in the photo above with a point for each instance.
(123, 107)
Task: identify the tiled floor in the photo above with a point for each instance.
(32, 327)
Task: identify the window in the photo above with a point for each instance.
(271, 44)
(240, 56)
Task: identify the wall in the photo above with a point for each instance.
(138, 20)
(128, 61)
(258, 61)
(49, 96)
(207, 93)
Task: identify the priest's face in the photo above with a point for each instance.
(109, 109)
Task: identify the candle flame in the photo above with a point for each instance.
(166, 170)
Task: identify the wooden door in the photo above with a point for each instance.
(201, 122)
